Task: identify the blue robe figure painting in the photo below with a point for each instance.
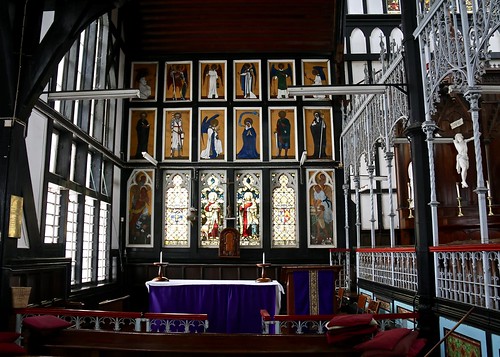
(247, 80)
(249, 140)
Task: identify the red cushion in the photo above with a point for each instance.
(417, 346)
(384, 340)
(46, 323)
(349, 320)
(11, 349)
(344, 335)
(9, 336)
(400, 350)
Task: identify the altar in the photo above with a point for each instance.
(232, 306)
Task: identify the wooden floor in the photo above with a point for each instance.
(86, 343)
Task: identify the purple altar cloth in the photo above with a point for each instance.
(322, 292)
(232, 306)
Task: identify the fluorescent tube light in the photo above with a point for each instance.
(94, 94)
(303, 157)
(489, 89)
(149, 158)
(336, 90)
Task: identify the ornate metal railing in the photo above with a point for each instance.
(316, 324)
(120, 321)
(469, 274)
(390, 266)
(341, 256)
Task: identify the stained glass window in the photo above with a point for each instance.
(284, 231)
(212, 207)
(177, 209)
(248, 201)
(393, 7)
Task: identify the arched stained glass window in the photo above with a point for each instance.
(284, 223)
(248, 201)
(212, 207)
(177, 205)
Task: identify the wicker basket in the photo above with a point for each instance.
(20, 297)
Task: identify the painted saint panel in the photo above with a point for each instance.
(213, 80)
(316, 73)
(318, 133)
(321, 208)
(140, 208)
(248, 134)
(178, 81)
(177, 134)
(144, 77)
(281, 75)
(212, 132)
(142, 133)
(283, 133)
(247, 83)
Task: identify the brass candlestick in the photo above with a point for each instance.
(490, 211)
(459, 200)
(263, 278)
(409, 208)
(160, 276)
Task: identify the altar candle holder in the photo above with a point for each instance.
(410, 215)
(160, 276)
(459, 200)
(263, 278)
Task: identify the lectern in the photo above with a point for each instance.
(310, 289)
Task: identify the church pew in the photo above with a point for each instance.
(109, 343)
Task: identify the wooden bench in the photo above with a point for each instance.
(108, 343)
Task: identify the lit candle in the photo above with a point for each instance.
(409, 190)
(331, 261)
(488, 186)
(458, 190)
(161, 257)
(263, 258)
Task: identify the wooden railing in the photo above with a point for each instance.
(315, 324)
(121, 321)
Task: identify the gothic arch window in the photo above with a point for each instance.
(375, 37)
(357, 41)
(213, 186)
(284, 220)
(249, 212)
(397, 36)
(177, 204)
